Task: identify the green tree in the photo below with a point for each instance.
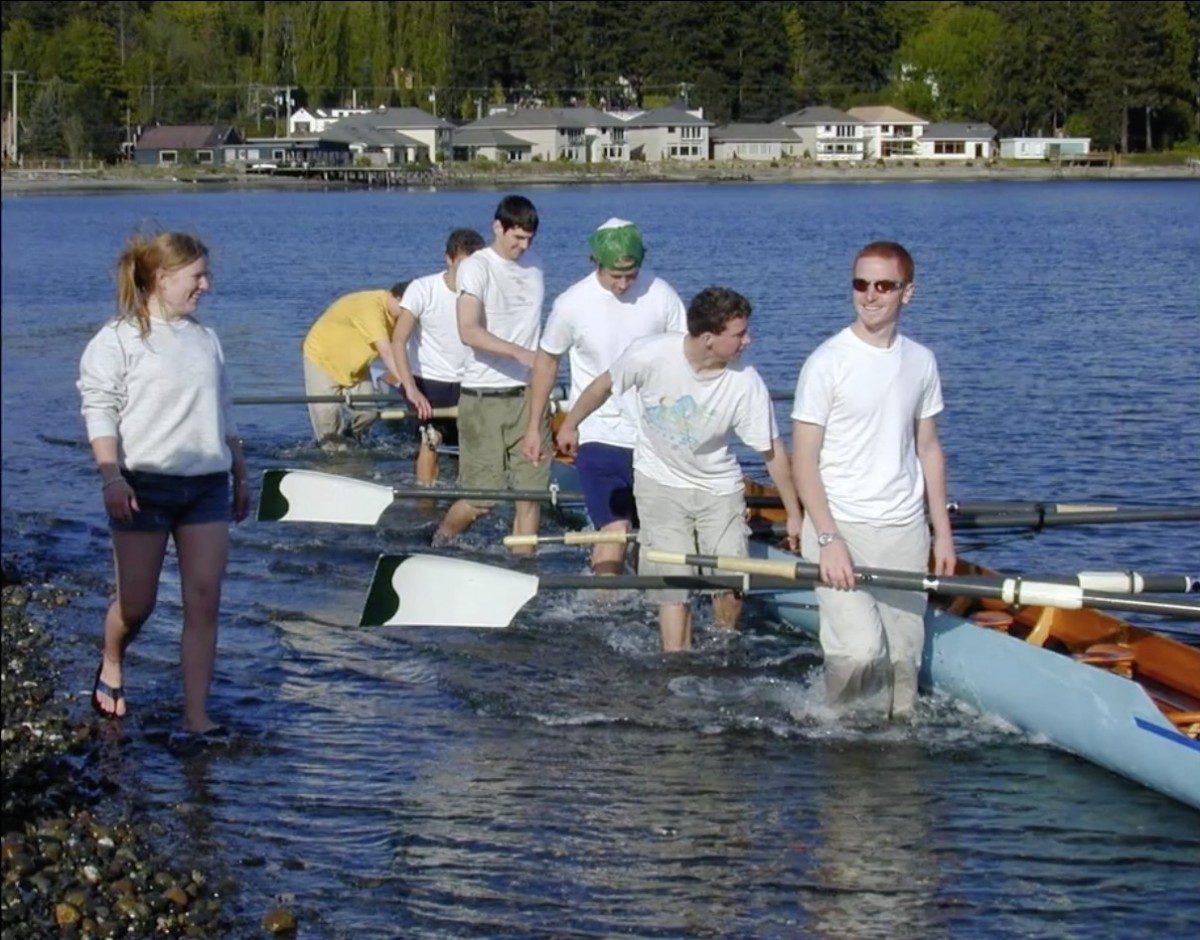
(47, 120)
(947, 69)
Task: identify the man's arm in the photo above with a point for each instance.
(473, 332)
(405, 321)
(837, 568)
(591, 398)
(545, 371)
(780, 471)
(933, 464)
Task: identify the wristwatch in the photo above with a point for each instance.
(826, 538)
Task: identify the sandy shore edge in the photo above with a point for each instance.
(17, 181)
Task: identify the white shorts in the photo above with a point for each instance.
(686, 521)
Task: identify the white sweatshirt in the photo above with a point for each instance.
(166, 398)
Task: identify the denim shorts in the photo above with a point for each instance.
(166, 501)
(606, 478)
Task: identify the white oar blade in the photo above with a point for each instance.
(432, 591)
(310, 496)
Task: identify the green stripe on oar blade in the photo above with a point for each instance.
(310, 496)
(435, 591)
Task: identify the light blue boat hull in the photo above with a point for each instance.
(1090, 712)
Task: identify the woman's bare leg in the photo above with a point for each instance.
(203, 552)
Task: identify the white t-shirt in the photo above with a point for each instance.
(166, 397)
(869, 400)
(684, 421)
(512, 293)
(597, 326)
(434, 348)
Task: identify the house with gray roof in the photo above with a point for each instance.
(669, 133)
(580, 135)
(825, 134)
(888, 132)
(392, 136)
(171, 145)
(957, 141)
(750, 141)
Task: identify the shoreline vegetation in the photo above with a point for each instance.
(81, 177)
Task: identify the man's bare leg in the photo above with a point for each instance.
(675, 625)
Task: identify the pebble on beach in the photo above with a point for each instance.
(68, 870)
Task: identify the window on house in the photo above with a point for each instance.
(204, 156)
(278, 155)
(689, 133)
(950, 147)
(303, 127)
(617, 135)
(845, 130)
(168, 156)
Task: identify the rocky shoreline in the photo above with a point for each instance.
(80, 859)
(49, 180)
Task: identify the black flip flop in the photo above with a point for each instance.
(100, 687)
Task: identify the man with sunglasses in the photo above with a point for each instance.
(868, 466)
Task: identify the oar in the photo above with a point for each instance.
(350, 400)
(434, 591)
(557, 393)
(556, 407)
(1067, 593)
(399, 414)
(571, 538)
(1046, 518)
(1008, 515)
(311, 496)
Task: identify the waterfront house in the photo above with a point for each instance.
(393, 136)
(184, 144)
(750, 141)
(270, 153)
(669, 133)
(304, 122)
(578, 135)
(951, 141)
(888, 133)
(1044, 148)
(824, 134)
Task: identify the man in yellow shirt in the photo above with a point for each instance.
(338, 352)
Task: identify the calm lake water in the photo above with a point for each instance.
(563, 778)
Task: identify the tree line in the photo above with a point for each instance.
(1125, 74)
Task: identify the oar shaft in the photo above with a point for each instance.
(1024, 520)
(569, 582)
(525, 496)
(350, 400)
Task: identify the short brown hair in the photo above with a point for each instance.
(714, 307)
(893, 251)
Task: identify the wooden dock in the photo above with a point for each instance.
(368, 177)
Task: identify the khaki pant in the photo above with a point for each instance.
(684, 521)
(873, 638)
(329, 418)
(490, 429)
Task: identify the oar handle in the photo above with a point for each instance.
(400, 414)
(350, 400)
(552, 496)
(570, 538)
(779, 569)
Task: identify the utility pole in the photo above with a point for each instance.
(14, 153)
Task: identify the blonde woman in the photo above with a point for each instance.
(158, 407)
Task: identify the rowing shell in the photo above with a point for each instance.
(1121, 697)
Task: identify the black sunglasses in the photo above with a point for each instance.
(860, 285)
